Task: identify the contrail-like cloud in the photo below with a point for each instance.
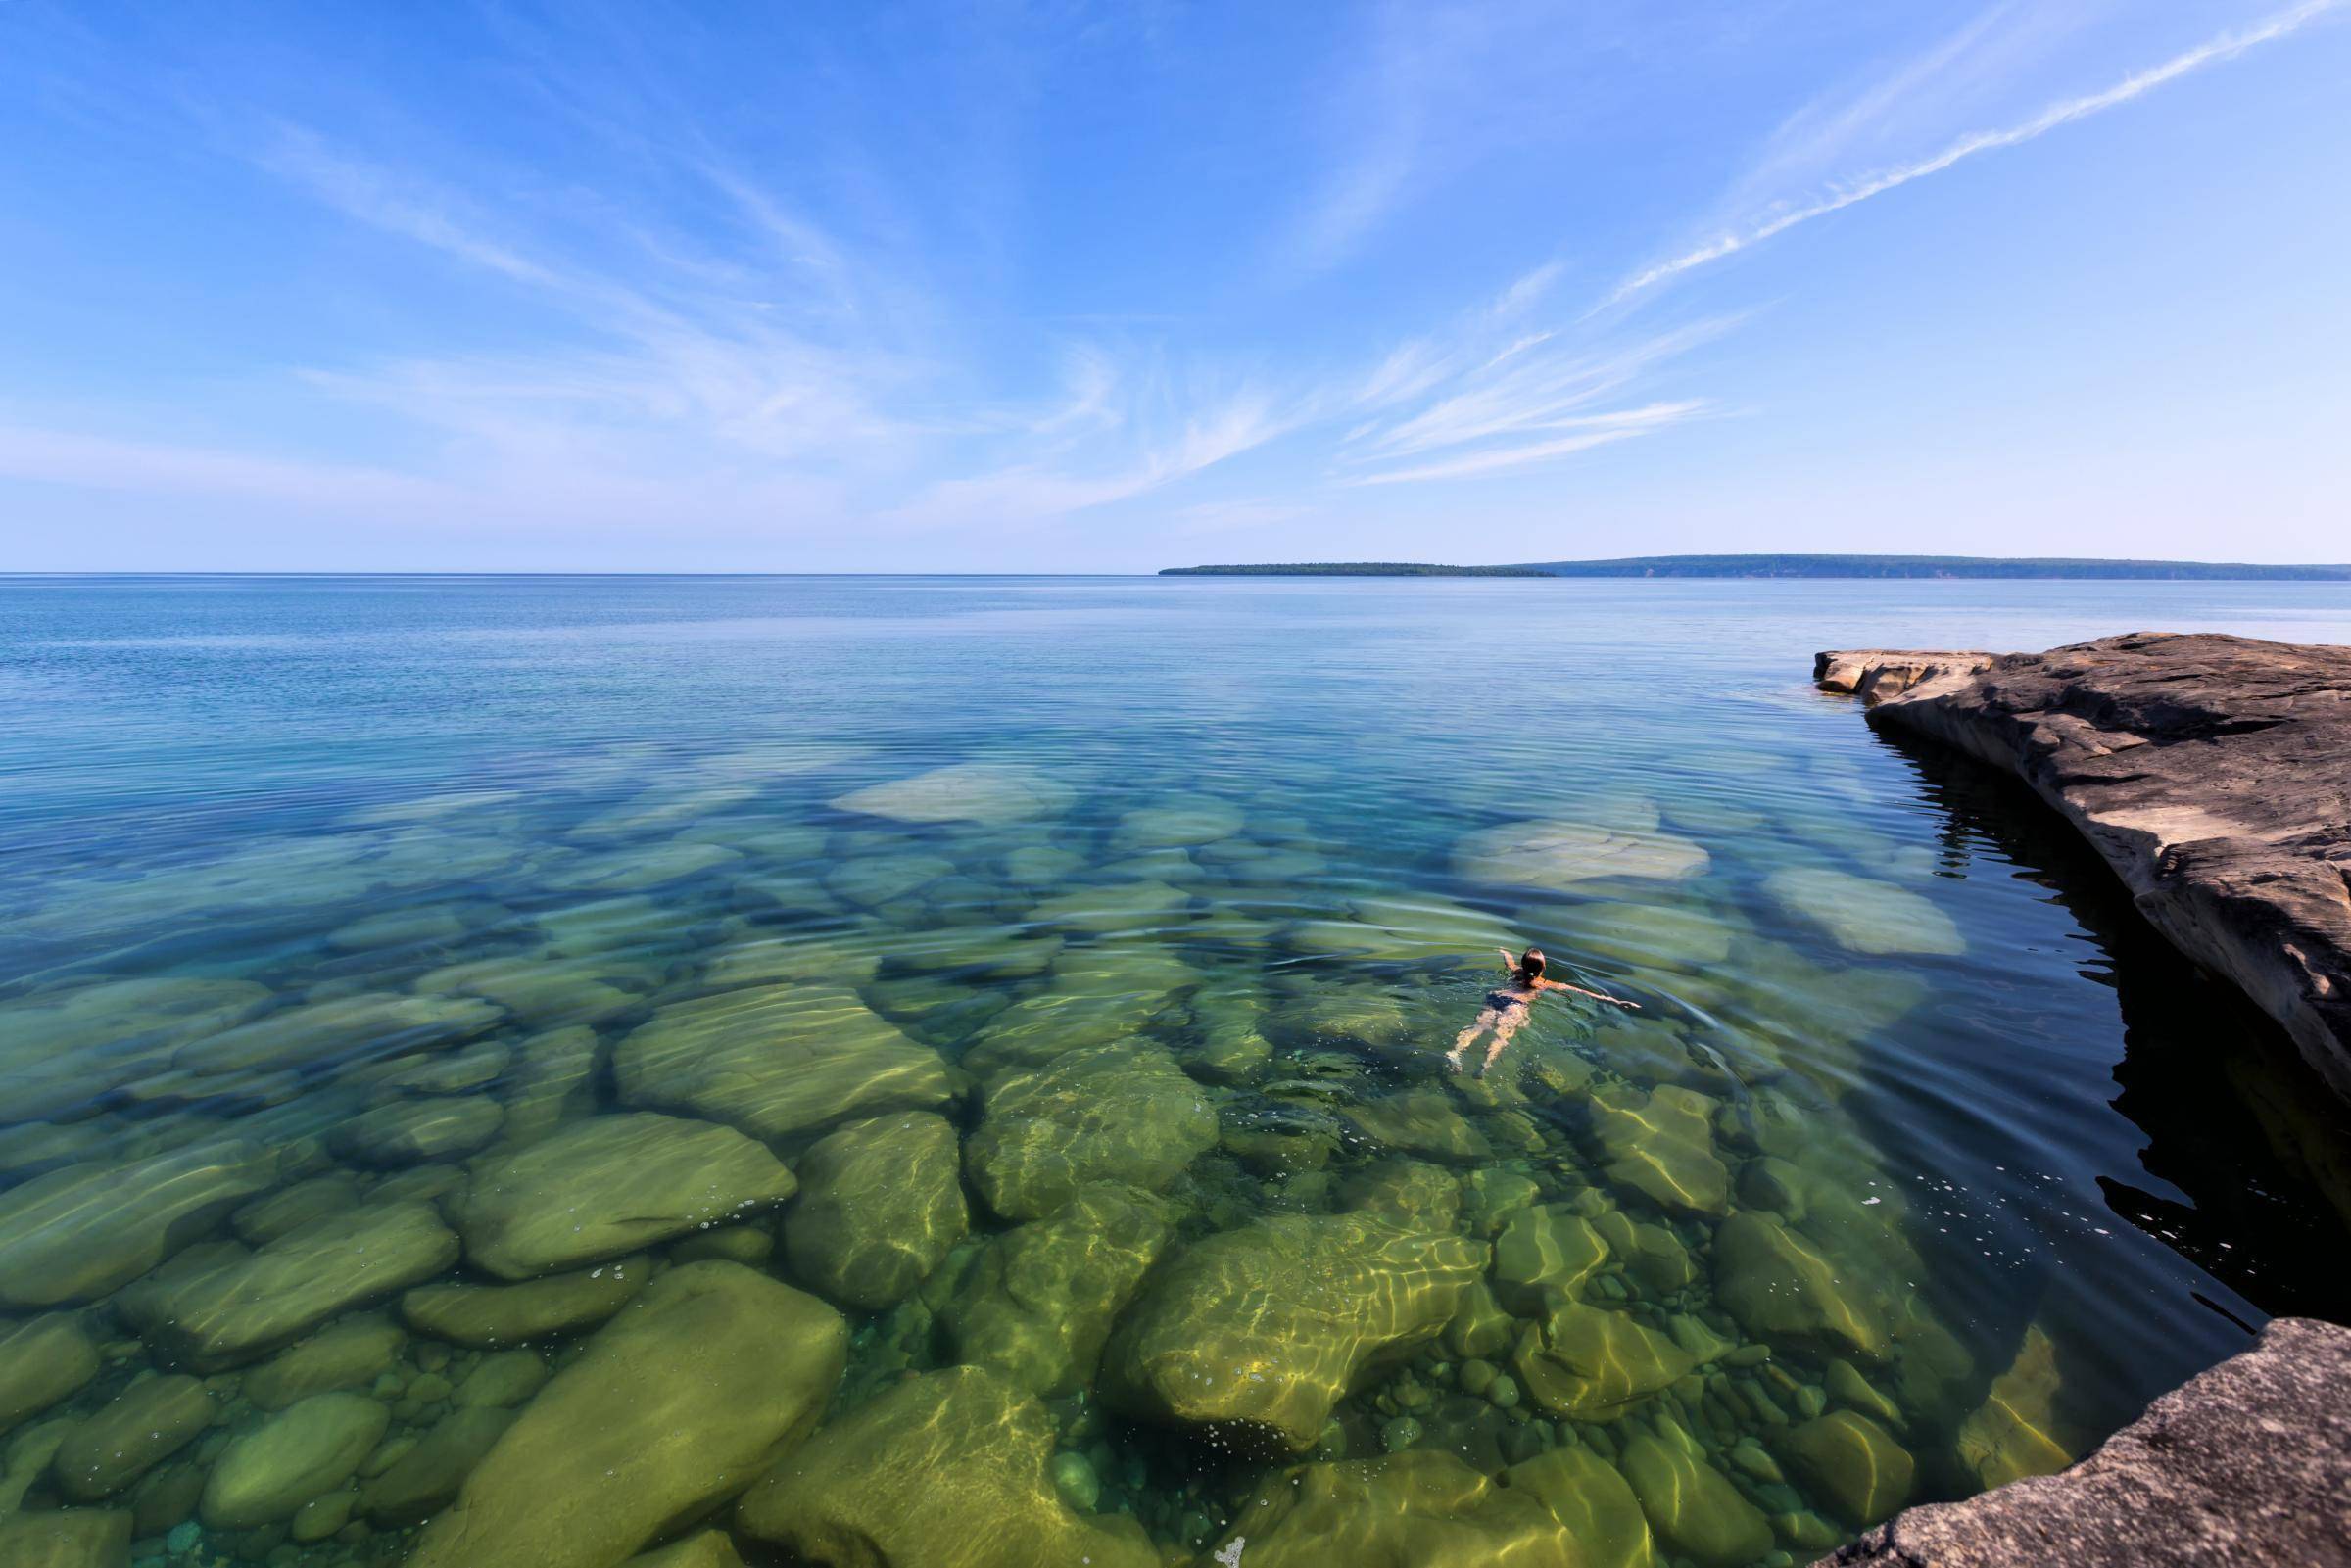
(2225, 47)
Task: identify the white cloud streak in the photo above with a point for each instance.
(2225, 47)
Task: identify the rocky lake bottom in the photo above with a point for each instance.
(947, 1072)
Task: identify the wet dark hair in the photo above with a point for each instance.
(1531, 964)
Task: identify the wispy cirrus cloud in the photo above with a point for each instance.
(1782, 217)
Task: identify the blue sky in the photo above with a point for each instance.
(1073, 287)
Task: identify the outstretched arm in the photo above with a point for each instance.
(1596, 996)
(1507, 961)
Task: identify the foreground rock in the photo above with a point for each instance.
(703, 1380)
(1264, 1328)
(80, 1233)
(881, 1202)
(610, 1185)
(2248, 1463)
(1105, 1113)
(948, 1471)
(1043, 1296)
(2209, 771)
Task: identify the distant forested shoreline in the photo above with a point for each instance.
(1829, 566)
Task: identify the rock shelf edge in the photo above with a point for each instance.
(2210, 772)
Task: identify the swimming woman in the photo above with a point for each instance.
(1508, 1005)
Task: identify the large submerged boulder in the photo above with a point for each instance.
(1414, 1509)
(1040, 1299)
(777, 1061)
(1106, 1113)
(947, 1470)
(608, 1186)
(1593, 1364)
(1264, 1328)
(703, 1380)
(83, 1231)
(881, 1202)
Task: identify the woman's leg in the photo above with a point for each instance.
(1504, 1027)
(1462, 1042)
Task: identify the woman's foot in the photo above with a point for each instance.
(1453, 1060)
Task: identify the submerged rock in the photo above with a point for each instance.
(985, 792)
(321, 1033)
(264, 1220)
(1039, 1303)
(1419, 1121)
(1592, 1364)
(608, 1186)
(2016, 1431)
(1853, 1462)
(490, 1316)
(81, 1232)
(1264, 1327)
(1692, 1506)
(1862, 914)
(304, 1452)
(947, 1468)
(1605, 1524)
(881, 1202)
(240, 1304)
(346, 1355)
(779, 1061)
(1413, 1509)
(72, 1537)
(1661, 1145)
(1781, 1287)
(1178, 822)
(412, 1132)
(1543, 1250)
(703, 1380)
(1565, 856)
(550, 1083)
(42, 1361)
(415, 1486)
(144, 1425)
(1109, 1113)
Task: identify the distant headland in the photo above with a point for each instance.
(1803, 566)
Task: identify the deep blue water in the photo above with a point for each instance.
(1296, 811)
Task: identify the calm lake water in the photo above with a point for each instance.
(490, 1069)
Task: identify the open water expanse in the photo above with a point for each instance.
(950, 1072)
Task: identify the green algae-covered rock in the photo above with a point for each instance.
(304, 1452)
(945, 1470)
(410, 1132)
(703, 1380)
(1862, 914)
(1039, 1303)
(490, 1317)
(414, 1487)
(550, 1083)
(869, 880)
(346, 1355)
(369, 1024)
(1781, 1287)
(881, 1202)
(1176, 821)
(608, 1186)
(1107, 1112)
(243, 1304)
(266, 1219)
(543, 990)
(1426, 1122)
(143, 1426)
(1480, 1328)
(42, 1361)
(1409, 1193)
(1542, 1250)
(2017, 1431)
(1661, 1145)
(1565, 856)
(1266, 1326)
(711, 1548)
(1649, 1253)
(500, 1380)
(1853, 1462)
(631, 871)
(778, 1061)
(1644, 935)
(1115, 909)
(1420, 1508)
(1590, 1497)
(986, 793)
(83, 1231)
(1593, 1364)
(1692, 1506)
(68, 1537)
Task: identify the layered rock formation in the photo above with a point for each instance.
(2248, 1463)
(2212, 772)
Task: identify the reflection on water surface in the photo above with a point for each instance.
(525, 1071)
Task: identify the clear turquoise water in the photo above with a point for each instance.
(1261, 833)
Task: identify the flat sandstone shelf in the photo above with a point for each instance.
(2213, 773)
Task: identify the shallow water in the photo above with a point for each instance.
(1123, 924)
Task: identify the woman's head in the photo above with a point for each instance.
(1531, 964)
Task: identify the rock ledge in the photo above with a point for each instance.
(2212, 772)
(2247, 1463)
